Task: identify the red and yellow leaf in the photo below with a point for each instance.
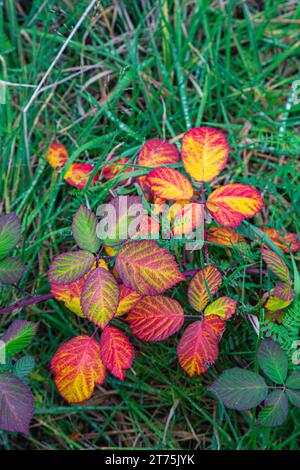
(232, 203)
(286, 241)
(78, 367)
(155, 318)
(223, 307)
(204, 153)
(147, 268)
(276, 265)
(57, 155)
(198, 346)
(157, 152)
(203, 286)
(127, 300)
(112, 170)
(117, 353)
(168, 183)
(224, 236)
(186, 217)
(79, 174)
(280, 297)
(148, 228)
(100, 297)
(70, 294)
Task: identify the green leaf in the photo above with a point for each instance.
(240, 389)
(23, 367)
(11, 270)
(68, 267)
(10, 233)
(84, 230)
(7, 366)
(273, 361)
(293, 380)
(17, 337)
(294, 397)
(275, 410)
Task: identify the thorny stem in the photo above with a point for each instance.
(25, 303)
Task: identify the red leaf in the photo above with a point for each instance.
(198, 347)
(155, 318)
(78, 367)
(57, 155)
(79, 174)
(117, 352)
(287, 241)
(203, 286)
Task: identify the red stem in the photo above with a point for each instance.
(24, 303)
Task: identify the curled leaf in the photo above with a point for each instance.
(57, 155)
(286, 241)
(232, 203)
(276, 265)
(224, 236)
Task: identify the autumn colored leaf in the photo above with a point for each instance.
(16, 399)
(276, 265)
(57, 155)
(224, 236)
(232, 203)
(70, 266)
(84, 229)
(204, 153)
(198, 346)
(10, 233)
(154, 153)
(147, 268)
(78, 175)
(117, 353)
(78, 367)
(223, 307)
(203, 286)
(127, 299)
(186, 218)
(100, 297)
(155, 318)
(70, 294)
(286, 241)
(169, 184)
(280, 297)
(148, 228)
(115, 167)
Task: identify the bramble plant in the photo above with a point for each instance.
(241, 389)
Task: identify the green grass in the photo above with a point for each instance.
(131, 73)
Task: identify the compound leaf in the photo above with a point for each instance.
(275, 409)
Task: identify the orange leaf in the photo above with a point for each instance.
(167, 183)
(155, 318)
(223, 307)
(147, 268)
(79, 174)
(100, 297)
(117, 352)
(203, 286)
(148, 228)
(224, 236)
(127, 299)
(232, 203)
(204, 153)
(157, 152)
(111, 171)
(78, 367)
(57, 155)
(276, 265)
(198, 346)
(286, 241)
